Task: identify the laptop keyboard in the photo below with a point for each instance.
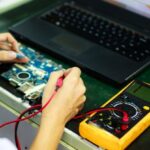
(100, 31)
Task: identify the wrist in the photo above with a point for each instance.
(52, 118)
(50, 125)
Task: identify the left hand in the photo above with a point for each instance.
(9, 48)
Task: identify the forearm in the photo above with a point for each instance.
(49, 135)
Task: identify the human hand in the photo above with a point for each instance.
(9, 49)
(69, 99)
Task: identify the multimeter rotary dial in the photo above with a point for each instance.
(132, 109)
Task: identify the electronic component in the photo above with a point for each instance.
(31, 78)
(23, 75)
(110, 129)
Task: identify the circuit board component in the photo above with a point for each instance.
(31, 78)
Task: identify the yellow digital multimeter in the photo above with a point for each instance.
(106, 129)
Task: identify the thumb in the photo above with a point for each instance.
(51, 84)
(7, 55)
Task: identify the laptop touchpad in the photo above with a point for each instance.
(72, 44)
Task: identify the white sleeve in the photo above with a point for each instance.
(6, 144)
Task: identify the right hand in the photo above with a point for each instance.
(69, 99)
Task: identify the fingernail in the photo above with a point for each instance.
(20, 56)
(18, 47)
(12, 55)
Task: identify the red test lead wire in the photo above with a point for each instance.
(17, 124)
(125, 117)
(30, 116)
(58, 85)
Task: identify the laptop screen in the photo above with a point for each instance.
(141, 7)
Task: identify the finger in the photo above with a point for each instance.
(74, 113)
(80, 89)
(22, 60)
(72, 77)
(51, 85)
(9, 38)
(66, 72)
(72, 70)
(11, 56)
(81, 83)
(5, 46)
(7, 56)
(81, 101)
(81, 107)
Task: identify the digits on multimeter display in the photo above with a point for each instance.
(139, 90)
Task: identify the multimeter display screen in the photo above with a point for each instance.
(139, 90)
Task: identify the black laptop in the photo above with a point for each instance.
(109, 38)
